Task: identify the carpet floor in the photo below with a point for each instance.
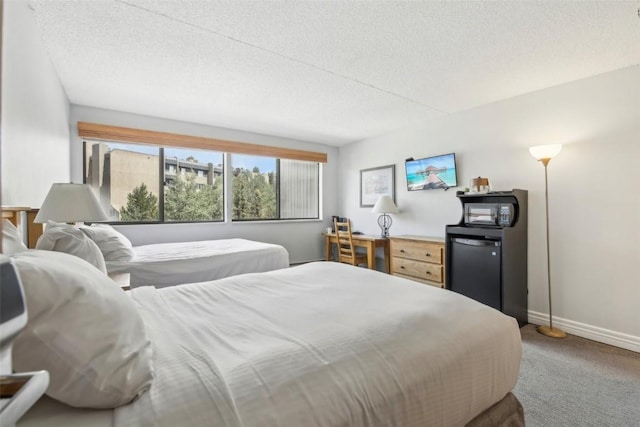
(577, 382)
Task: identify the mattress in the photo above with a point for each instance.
(168, 264)
(322, 344)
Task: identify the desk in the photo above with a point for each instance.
(364, 241)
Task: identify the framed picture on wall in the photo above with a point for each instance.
(375, 182)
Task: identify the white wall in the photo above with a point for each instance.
(35, 113)
(593, 183)
(301, 238)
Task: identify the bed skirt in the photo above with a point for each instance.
(506, 413)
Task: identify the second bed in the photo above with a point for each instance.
(168, 264)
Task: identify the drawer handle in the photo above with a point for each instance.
(402, 267)
(427, 254)
(401, 251)
(428, 272)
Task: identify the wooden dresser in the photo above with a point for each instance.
(418, 258)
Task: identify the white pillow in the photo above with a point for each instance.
(113, 244)
(66, 238)
(83, 329)
(11, 239)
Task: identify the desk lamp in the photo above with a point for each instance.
(385, 206)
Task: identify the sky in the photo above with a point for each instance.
(265, 164)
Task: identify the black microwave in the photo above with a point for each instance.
(489, 214)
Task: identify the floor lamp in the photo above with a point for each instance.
(544, 153)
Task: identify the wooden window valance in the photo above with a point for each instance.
(123, 134)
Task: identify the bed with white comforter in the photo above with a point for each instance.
(323, 344)
(168, 264)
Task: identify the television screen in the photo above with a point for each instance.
(432, 172)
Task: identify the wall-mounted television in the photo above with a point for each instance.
(432, 172)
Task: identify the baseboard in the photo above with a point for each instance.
(583, 330)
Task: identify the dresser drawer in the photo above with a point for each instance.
(426, 282)
(418, 269)
(429, 252)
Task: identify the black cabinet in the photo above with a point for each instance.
(489, 262)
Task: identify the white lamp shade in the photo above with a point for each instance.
(385, 205)
(70, 203)
(545, 151)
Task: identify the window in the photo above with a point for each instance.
(127, 178)
(266, 188)
(164, 177)
(192, 195)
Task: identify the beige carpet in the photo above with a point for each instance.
(577, 382)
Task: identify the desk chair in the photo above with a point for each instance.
(346, 250)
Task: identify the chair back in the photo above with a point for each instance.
(346, 249)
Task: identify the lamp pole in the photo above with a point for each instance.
(550, 330)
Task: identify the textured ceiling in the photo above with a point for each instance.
(326, 71)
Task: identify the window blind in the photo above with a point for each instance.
(124, 134)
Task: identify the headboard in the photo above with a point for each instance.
(14, 214)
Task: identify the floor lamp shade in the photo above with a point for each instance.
(544, 153)
(70, 203)
(384, 206)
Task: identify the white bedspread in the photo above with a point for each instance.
(168, 264)
(323, 344)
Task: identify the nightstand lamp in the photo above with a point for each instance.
(385, 206)
(70, 203)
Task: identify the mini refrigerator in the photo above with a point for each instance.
(475, 269)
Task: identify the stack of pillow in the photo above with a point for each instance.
(95, 244)
(82, 328)
(61, 237)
